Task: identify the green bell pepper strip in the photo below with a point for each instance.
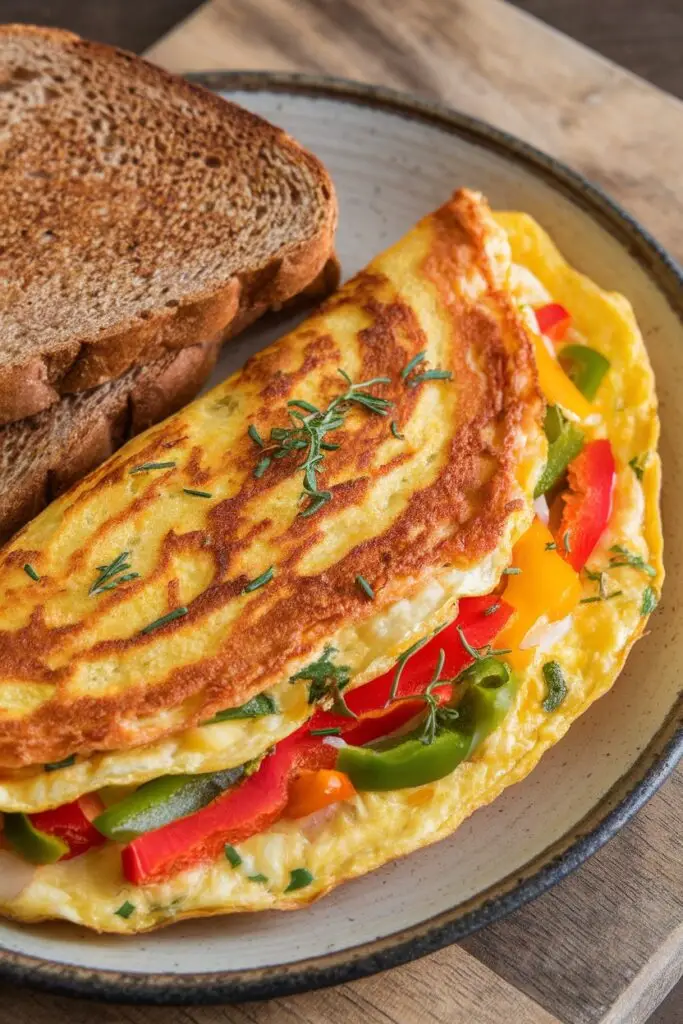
(33, 845)
(405, 761)
(565, 441)
(585, 367)
(161, 801)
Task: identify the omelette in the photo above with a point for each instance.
(316, 619)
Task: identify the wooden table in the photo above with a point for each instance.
(606, 944)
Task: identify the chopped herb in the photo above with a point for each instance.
(420, 378)
(566, 542)
(415, 361)
(400, 665)
(479, 653)
(257, 707)
(628, 558)
(197, 494)
(396, 432)
(492, 609)
(177, 613)
(255, 436)
(307, 434)
(326, 679)
(435, 713)
(30, 571)
(258, 878)
(607, 597)
(365, 587)
(125, 910)
(333, 730)
(110, 576)
(557, 687)
(56, 765)
(299, 878)
(232, 856)
(649, 601)
(638, 464)
(511, 571)
(262, 466)
(260, 581)
(551, 546)
(152, 465)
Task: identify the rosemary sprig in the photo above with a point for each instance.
(479, 653)
(400, 665)
(415, 361)
(177, 613)
(54, 766)
(30, 571)
(638, 464)
(492, 609)
(197, 494)
(420, 378)
(333, 730)
(551, 546)
(396, 432)
(260, 581)
(626, 557)
(307, 433)
(255, 436)
(111, 575)
(326, 680)
(435, 713)
(145, 466)
(511, 571)
(365, 587)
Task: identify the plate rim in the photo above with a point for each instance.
(562, 857)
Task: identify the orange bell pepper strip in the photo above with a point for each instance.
(313, 790)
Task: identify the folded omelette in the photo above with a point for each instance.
(316, 619)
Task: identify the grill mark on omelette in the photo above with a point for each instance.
(470, 500)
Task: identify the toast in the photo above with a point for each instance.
(142, 214)
(43, 455)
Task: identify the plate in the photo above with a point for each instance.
(393, 159)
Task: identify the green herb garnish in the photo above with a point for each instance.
(232, 856)
(435, 713)
(479, 653)
(566, 542)
(492, 609)
(54, 766)
(638, 464)
(30, 571)
(110, 576)
(511, 571)
(177, 613)
(326, 679)
(400, 665)
(260, 581)
(258, 878)
(255, 436)
(396, 432)
(557, 687)
(197, 494)
(125, 910)
(333, 730)
(152, 465)
(627, 557)
(607, 597)
(415, 361)
(299, 878)
(308, 431)
(365, 587)
(551, 546)
(420, 378)
(257, 707)
(649, 601)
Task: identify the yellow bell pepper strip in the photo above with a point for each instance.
(545, 585)
(556, 386)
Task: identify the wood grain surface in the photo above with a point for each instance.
(605, 945)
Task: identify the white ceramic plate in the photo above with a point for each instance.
(393, 160)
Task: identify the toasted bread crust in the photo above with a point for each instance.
(97, 352)
(62, 444)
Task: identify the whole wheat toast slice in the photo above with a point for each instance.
(43, 455)
(141, 214)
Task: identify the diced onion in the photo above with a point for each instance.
(335, 741)
(544, 634)
(541, 509)
(15, 875)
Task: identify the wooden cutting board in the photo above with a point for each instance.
(607, 944)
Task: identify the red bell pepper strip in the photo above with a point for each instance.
(72, 824)
(479, 629)
(259, 801)
(241, 812)
(553, 320)
(587, 503)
